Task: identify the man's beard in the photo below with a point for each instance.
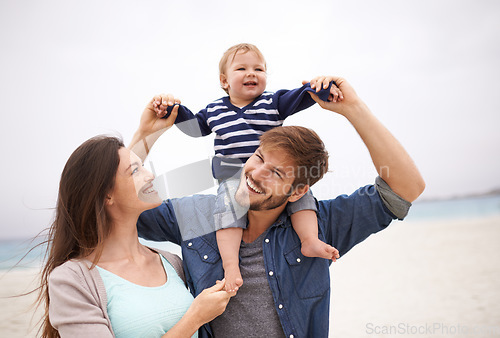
(272, 202)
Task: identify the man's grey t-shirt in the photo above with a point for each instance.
(251, 313)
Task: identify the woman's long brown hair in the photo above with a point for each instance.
(80, 222)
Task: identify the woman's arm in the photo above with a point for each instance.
(206, 306)
(151, 127)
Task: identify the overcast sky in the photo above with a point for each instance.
(74, 69)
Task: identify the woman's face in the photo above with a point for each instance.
(133, 190)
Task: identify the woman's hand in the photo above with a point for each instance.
(209, 304)
(151, 119)
(151, 125)
(162, 102)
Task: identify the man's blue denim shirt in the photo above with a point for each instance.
(300, 285)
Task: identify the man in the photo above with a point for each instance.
(286, 294)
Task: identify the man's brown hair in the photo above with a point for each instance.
(305, 149)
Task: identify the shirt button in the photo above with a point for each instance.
(271, 273)
(298, 260)
(280, 306)
(205, 257)
(190, 244)
(267, 240)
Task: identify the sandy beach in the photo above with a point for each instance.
(420, 279)
(415, 279)
(17, 315)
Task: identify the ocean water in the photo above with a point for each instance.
(15, 252)
(21, 253)
(460, 208)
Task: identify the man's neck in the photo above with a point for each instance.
(260, 221)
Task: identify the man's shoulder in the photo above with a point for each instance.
(195, 215)
(187, 207)
(358, 199)
(193, 204)
(201, 199)
(378, 196)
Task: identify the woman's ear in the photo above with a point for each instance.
(298, 192)
(109, 200)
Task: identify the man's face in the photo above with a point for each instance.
(266, 180)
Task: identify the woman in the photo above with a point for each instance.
(99, 281)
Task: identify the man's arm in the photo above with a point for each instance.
(393, 164)
(348, 220)
(160, 224)
(179, 219)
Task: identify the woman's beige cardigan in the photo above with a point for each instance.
(78, 301)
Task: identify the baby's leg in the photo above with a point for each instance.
(305, 224)
(229, 241)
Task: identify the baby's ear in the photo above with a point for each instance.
(223, 81)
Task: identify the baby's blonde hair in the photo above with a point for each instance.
(231, 53)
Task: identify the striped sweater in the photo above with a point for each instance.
(238, 129)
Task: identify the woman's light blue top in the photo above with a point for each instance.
(140, 311)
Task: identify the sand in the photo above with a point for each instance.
(414, 279)
(17, 315)
(420, 279)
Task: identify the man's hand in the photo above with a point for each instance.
(393, 164)
(350, 100)
(322, 82)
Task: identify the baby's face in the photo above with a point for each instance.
(245, 78)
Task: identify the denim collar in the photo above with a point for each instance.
(281, 221)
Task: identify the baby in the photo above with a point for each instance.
(238, 121)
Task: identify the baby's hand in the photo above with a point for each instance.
(322, 82)
(161, 103)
